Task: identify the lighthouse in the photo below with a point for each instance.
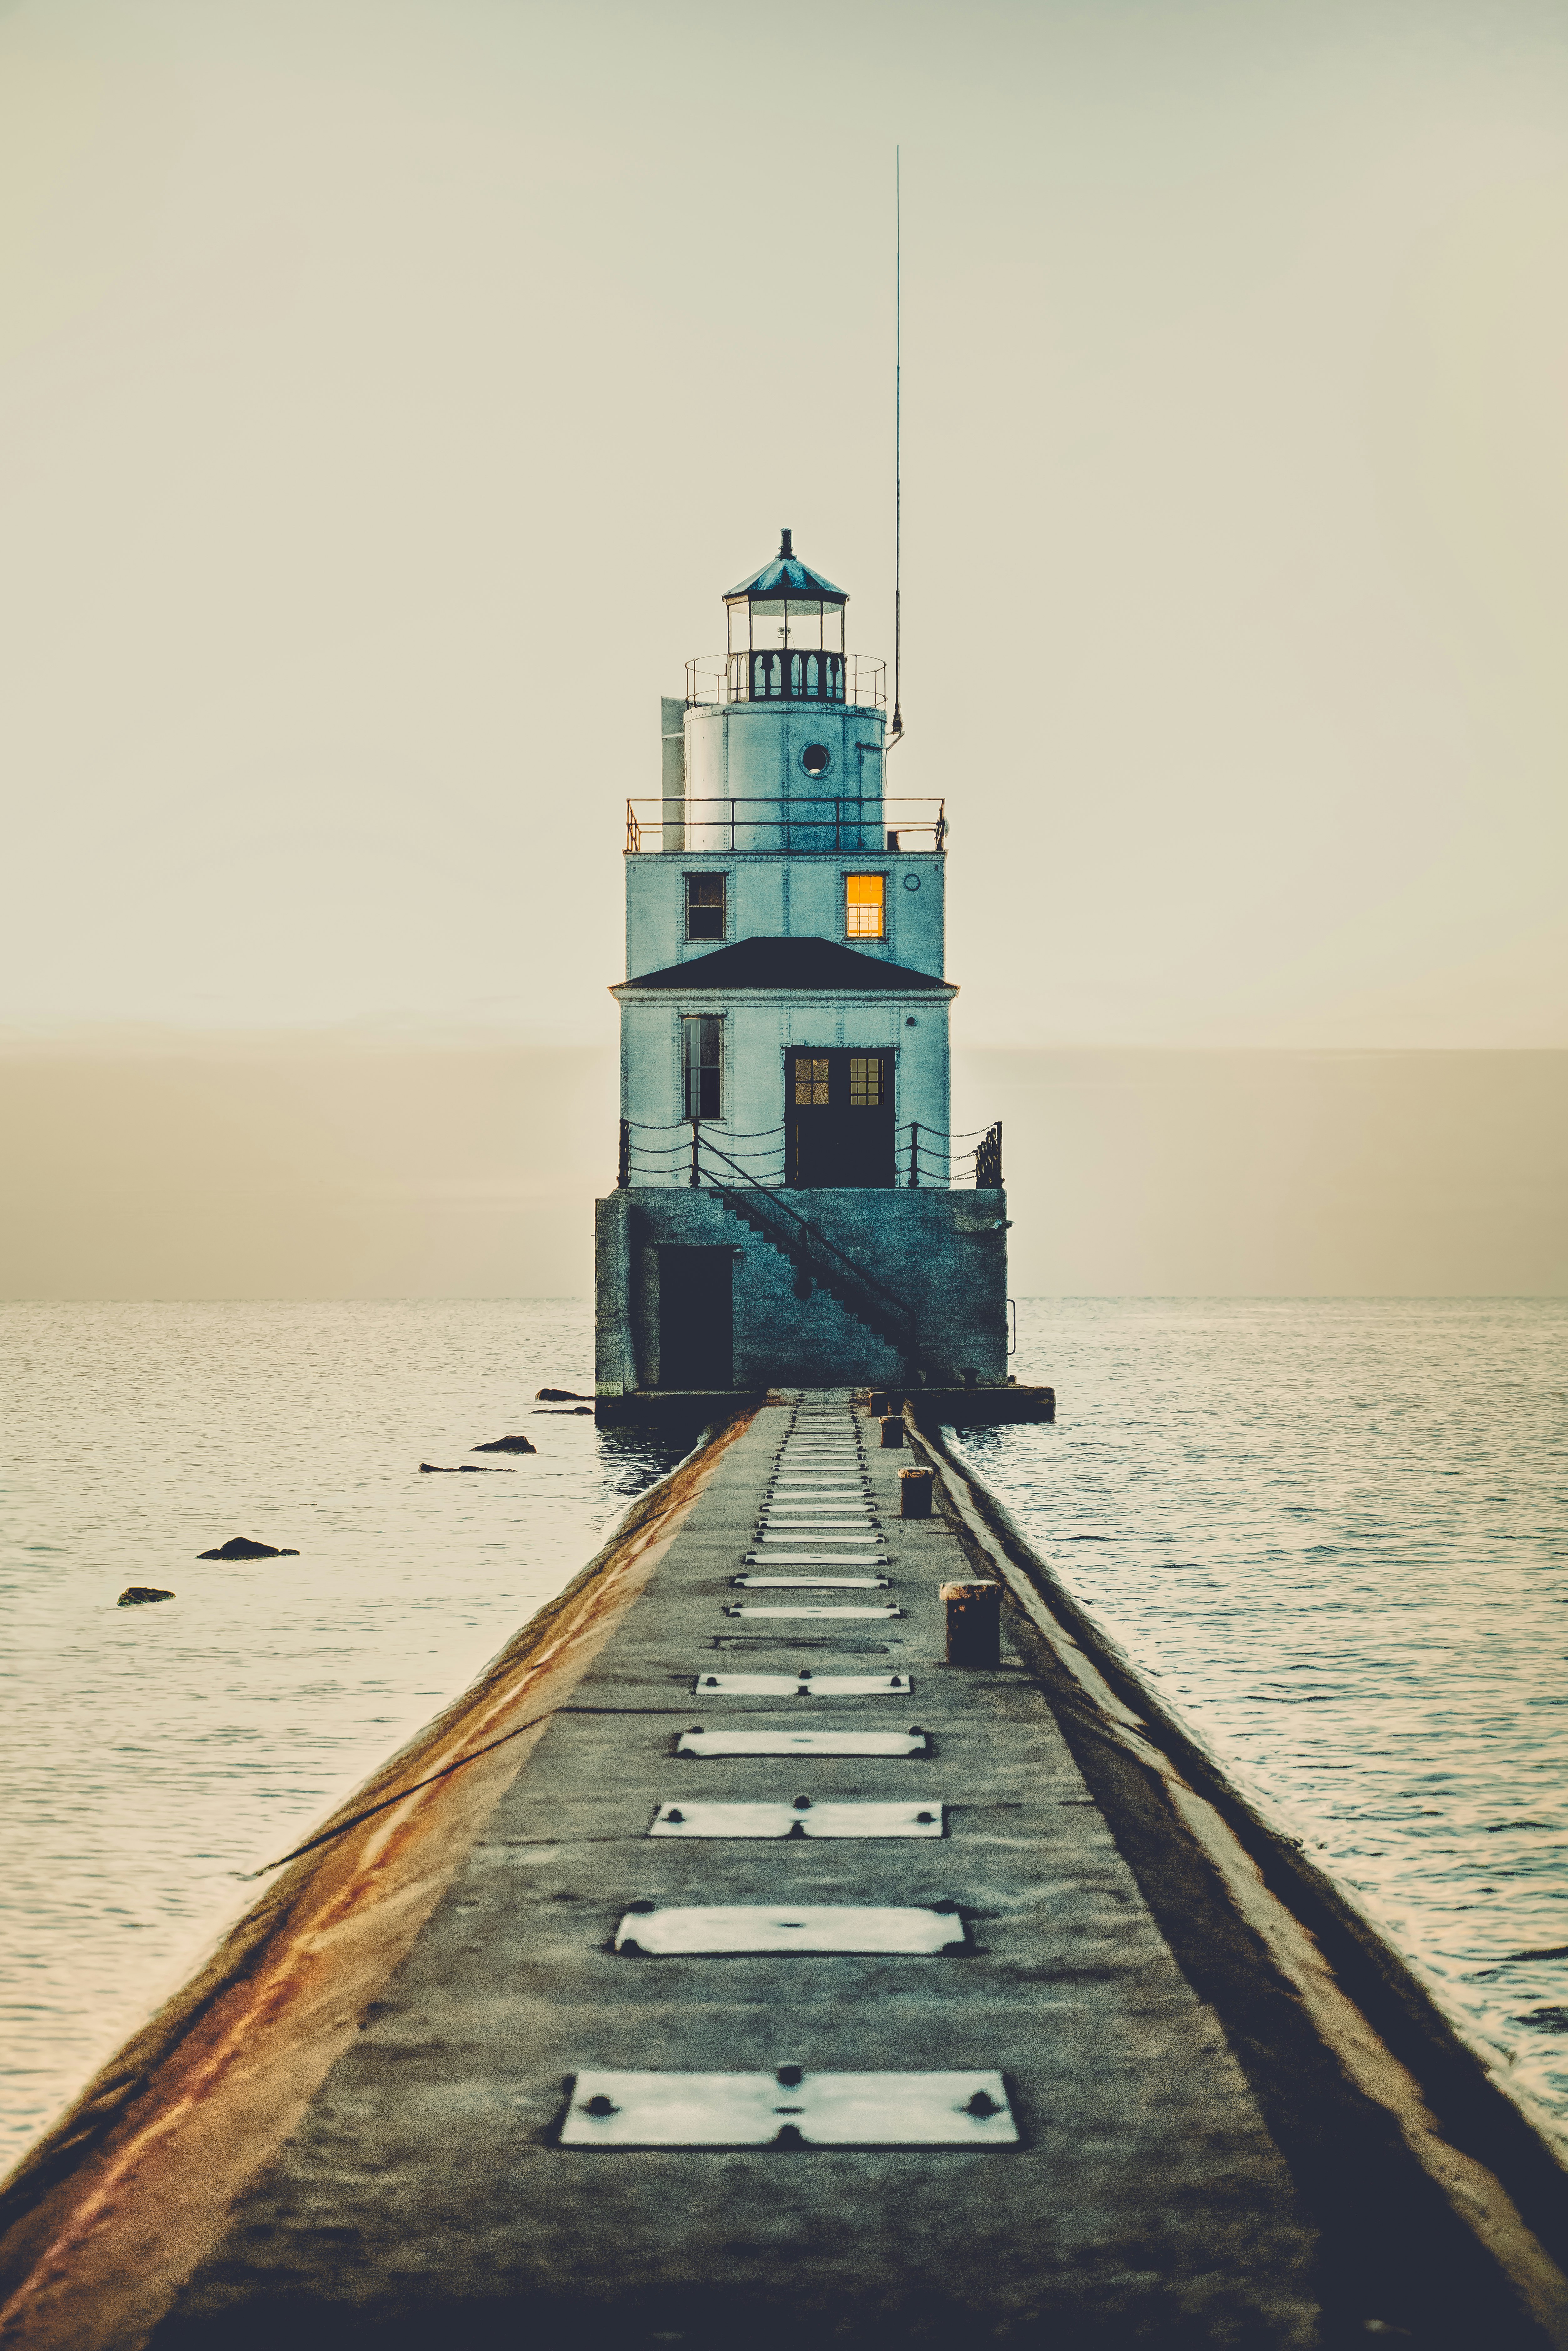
(791, 1205)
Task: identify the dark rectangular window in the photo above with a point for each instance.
(705, 905)
(702, 1059)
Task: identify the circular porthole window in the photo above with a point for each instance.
(912, 880)
(816, 758)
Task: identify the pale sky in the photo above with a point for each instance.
(388, 389)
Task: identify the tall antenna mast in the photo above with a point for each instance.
(897, 439)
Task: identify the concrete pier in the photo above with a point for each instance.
(1116, 2106)
(425, 2188)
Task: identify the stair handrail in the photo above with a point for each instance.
(867, 1281)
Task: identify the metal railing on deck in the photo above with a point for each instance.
(923, 1156)
(805, 825)
(806, 675)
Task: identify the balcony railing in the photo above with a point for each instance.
(802, 826)
(788, 674)
(694, 1151)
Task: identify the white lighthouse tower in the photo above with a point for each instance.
(791, 1206)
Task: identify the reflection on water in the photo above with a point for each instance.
(1335, 1532)
(152, 1753)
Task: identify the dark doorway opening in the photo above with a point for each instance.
(695, 1317)
(837, 1111)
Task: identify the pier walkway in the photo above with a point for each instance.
(775, 1837)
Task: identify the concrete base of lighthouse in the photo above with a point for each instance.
(709, 1291)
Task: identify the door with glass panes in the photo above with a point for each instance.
(838, 1117)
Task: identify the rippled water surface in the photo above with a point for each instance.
(151, 1754)
(1335, 1531)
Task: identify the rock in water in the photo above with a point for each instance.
(463, 1470)
(506, 1445)
(560, 1412)
(560, 1395)
(137, 1595)
(242, 1547)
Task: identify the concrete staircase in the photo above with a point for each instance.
(821, 1262)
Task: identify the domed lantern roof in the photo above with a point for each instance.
(787, 576)
(785, 632)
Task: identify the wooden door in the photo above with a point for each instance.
(838, 1118)
(695, 1317)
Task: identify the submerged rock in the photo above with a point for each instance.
(560, 1395)
(506, 1445)
(137, 1595)
(242, 1547)
(463, 1470)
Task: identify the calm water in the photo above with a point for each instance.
(1334, 1530)
(152, 1753)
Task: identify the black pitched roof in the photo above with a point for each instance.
(819, 964)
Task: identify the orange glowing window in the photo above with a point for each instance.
(863, 905)
(811, 1079)
(866, 1081)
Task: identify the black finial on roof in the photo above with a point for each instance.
(786, 552)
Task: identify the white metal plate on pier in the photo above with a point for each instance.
(850, 1518)
(822, 1553)
(816, 1498)
(703, 1929)
(815, 1530)
(809, 1582)
(812, 1550)
(803, 1742)
(849, 1531)
(815, 1559)
(788, 1686)
(855, 1550)
(744, 1608)
(815, 2109)
(691, 1819)
(845, 1525)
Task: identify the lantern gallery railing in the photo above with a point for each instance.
(802, 825)
(696, 1151)
(788, 674)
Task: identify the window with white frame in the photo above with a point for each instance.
(702, 1065)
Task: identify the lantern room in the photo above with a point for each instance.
(786, 633)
